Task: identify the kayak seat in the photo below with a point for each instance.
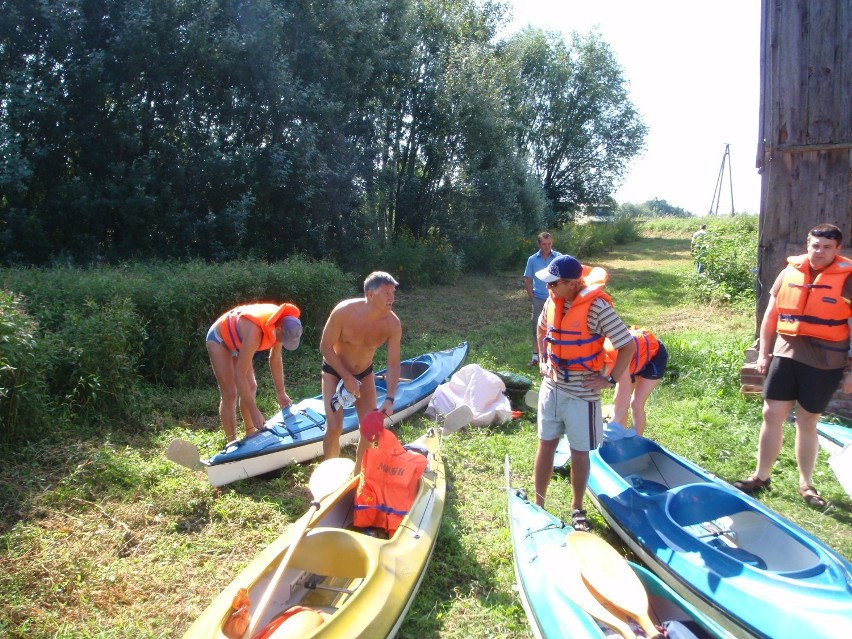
(740, 554)
(646, 487)
(336, 552)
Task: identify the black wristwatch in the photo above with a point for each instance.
(611, 380)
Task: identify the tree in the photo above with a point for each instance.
(575, 124)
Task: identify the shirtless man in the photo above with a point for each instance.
(353, 332)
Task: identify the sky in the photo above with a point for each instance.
(693, 73)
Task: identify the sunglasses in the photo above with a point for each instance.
(553, 284)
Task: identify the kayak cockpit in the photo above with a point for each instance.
(724, 521)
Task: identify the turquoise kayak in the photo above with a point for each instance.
(542, 561)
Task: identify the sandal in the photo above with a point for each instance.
(753, 484)
(579, 521)
(812, 497)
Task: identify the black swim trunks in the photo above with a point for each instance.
(326, 368)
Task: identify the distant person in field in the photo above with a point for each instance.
(232, 342)
(696, 243)
(354, 331)
(639, 379)
(536, 289)
(804, 352)
(577, 317)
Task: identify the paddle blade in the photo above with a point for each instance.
(531, 399)
(611, 577)
(183, 453)
(457, 419)
(562, 562)
(329, 475)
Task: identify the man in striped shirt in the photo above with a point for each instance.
(571, 330)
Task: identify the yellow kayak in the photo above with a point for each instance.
(351, 583)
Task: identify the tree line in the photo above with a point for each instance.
(223, 129)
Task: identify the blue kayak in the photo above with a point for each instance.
(752, 571)
(542, 561)
(296, 433)
(834, 437)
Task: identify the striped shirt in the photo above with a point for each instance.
(601, 320)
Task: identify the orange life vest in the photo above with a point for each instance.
(295, 622)
(390, 477)
(647, 346)
(570, 345)
(264, 316)
(817, 308)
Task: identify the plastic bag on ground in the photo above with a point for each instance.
(476, 387)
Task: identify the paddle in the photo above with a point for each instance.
(562, 563)
(182, 452)
(457, 419)
(327, 477)
(609, 574)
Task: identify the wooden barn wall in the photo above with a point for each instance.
(805, 127)
(805, 130)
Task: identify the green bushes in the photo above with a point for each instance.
(412, 262)
(24, 397)
(175, 303)
(728, 257)
(83, 344)
(586, 240)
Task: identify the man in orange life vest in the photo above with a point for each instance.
(807, 318)
(355, 329)
(576, 319)
(637, 382)
(232, 342)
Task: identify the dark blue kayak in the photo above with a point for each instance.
(296, 433)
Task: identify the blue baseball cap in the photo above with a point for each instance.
(564, 267)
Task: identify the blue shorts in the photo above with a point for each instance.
(213, 336)
(656, 368)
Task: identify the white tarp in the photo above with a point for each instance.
(477, 388)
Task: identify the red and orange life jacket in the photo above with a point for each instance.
(814, 308)
(264, 316)
(647, 346)
(570, 345)
(390, 477)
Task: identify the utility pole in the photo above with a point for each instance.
(717, 192)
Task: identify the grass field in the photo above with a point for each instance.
(103, 537)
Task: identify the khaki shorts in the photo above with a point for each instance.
(562, 414)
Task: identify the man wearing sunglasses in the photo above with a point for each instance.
(577, 317)
(804, 350)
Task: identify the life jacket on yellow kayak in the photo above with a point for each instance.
(814, 308)
(570, 345)
(295, 622)
(264, 316)
(390, 477)
(647, 346)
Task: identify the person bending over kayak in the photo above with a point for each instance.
(232, 342)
